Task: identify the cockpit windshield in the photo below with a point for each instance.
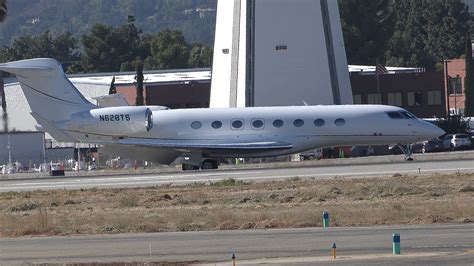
(400, 115)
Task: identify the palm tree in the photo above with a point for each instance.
(139, 77)
(3, 10)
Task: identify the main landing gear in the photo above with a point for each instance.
(407, 150)
(206, 164)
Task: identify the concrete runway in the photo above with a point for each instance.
(432, 244)
(368, 167)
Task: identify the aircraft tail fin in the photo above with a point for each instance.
(48, 91)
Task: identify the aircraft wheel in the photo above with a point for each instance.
(189, 167)
(209, 164)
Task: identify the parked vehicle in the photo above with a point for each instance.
(7, 169)
(433, 145)
(311, 154)
(456, 141)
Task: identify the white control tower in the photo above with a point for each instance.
(279, 52)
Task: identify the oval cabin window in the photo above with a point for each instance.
(216, 124)
(237, 124)
(278, 123)
(196, 125)
(298, 123)
(340, 122)
(257, 123)
(319, 122)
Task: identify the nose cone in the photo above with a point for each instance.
(430, 131)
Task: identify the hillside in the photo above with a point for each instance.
(195, 18)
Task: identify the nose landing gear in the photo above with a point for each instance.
(407, 150)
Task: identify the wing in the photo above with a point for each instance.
(162, 156)
(166, 151)
(186, 145)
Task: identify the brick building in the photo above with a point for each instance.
(174, 89)
(454, 80)
(421, 93)
(188, 94)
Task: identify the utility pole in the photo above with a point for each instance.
(78, 157)
(9, 151)
(447, 84)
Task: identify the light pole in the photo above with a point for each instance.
(447, 82)
(455, 95)
(9, 150)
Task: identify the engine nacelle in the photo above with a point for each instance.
(113, 121)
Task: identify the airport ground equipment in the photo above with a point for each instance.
(325, 219)
(334, 250)
(396, 244)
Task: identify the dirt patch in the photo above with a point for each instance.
(232, 204)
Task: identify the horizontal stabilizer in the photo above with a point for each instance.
(111, 100)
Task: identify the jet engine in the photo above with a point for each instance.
(113, 121)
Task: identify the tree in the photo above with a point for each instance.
(200, 56)
(366, 26)
(107, 48)
(3, 10)
(169, 50)
(63, 48)
(112, 89)
(139, 99)
(454, 124)
(426, 32)
(469, 83)
(79, 16)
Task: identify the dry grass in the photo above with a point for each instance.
(230, 204)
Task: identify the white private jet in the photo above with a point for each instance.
(155, 133)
